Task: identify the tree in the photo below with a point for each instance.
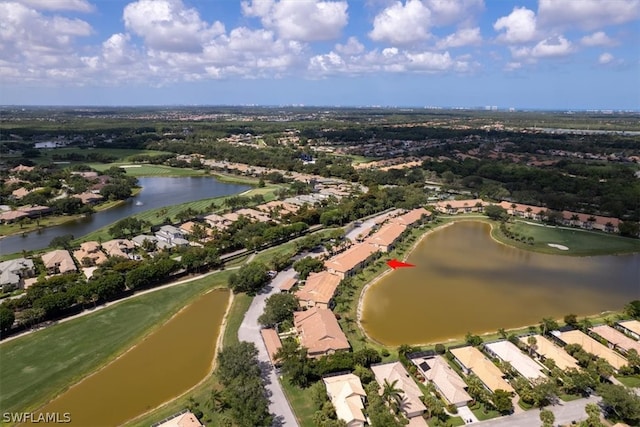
(593, 416)
(307, 265)
(632, 309)
(495, 212)
(278, 308)
(393, 395)
(547, 325)
(547, 417)
(571, 320)
(502, 402)
(532, 344)
(620, 402)
(544, 391)
(250, 278)
(7, 317)
(474, 340)
(63, 242)
(294, 363)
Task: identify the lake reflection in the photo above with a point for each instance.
(464, 281)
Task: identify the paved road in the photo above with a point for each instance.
(250, 331)
(565, 413)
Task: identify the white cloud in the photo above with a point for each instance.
(462, 37)
(447, 12)
(512, 66)
(116, 50)
(430, 61)
(351, 47)
(552, 47)
(72, 5)
(309, 20)
(605, 58)
(167, 25)
(519, 26)
(587, 14)
(402, 23)
(597, 39)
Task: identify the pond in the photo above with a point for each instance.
(464, 281)
(167, 363)
(156, 192)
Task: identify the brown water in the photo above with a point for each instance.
(464, 281)
(168, 362)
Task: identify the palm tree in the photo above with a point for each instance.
(392, 395)
(532, 342)
(216, 400)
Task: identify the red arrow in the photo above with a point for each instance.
(394, 263)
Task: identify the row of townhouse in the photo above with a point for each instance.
(537, 213)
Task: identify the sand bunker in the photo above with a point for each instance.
(130, 166)
(557, 246)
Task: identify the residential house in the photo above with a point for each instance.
(472, 361)
(506, 351)
(385, 238)
(288, 284)
(318, 290)
(616, 339)
(172, 235)
(536, 213)
(348, 397)
(12, 216)
(155, 243)
(22, 168)
(272, 343)
(591, 222)
(184, 418)
(545, 349)
(319, 332)
(119, 247)
(255, 215)
(394, 373)
(13, 273)
(349, 262)
(447, 381)
(217, 221)
(453, 207)
(90, 251)
(89, 198)
(58, 262)
(35, 210)
(414, 216)
(19, 193)
(592, 346)
(630, 327)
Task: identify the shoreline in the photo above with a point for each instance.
(139, 341)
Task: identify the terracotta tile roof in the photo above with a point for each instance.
(90, 250)
(549, 350)
(319, 331)
(483, 368)
(632, 325)
(272, 343)
(350, 258)
(12, 215)
(22, 168)
(186, 419)
(88, 197)
(20, 193)
(254, 214)
(461, 204)
(600, 220)
(396, 372)
(592, 346)
(288, 284)
(535, 210)
(118, 247)
(412, 216)
(346, 394)
(616, 338)
(319, 287)
(60, 260)
(387, 234)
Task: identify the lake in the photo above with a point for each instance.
(464, 281)
(156, 192)
(167, 363)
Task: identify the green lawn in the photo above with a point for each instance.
(482, 413)
(39, 366)
(579, 242)
(145, 169)
(451, 422)
(301, 402)
(630, 381)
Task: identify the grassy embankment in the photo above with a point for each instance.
(37, 367)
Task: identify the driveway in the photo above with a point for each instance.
(565, 413)
(250, 331)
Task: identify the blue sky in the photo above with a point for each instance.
(547, 54)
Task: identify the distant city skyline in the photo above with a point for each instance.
(522, 54)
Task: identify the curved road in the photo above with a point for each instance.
(250, 331)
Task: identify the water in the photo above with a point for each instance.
(156, 193)
(167, 363)
(464, 281)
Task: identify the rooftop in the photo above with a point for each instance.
(508, 352)
(483, 368)
(346, 394)
(350, 258)
(549, 350)
(616, 338)
(319, 287)
(396, 372)
(592, 346)
(319, 331)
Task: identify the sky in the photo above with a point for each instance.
(523, 54)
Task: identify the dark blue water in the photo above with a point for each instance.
(156, 193)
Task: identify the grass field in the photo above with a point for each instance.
(121, 155)
(579, 242)
(301, 402)
(146, 169)
(37, 367)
